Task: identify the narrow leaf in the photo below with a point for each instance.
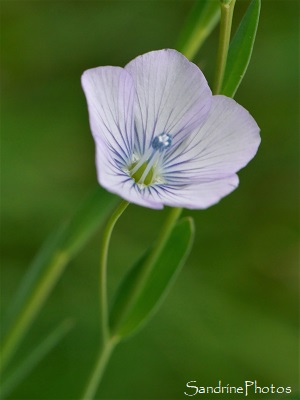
(34, 358)
(240, 50)
(201, 21)
(49, 265)
(161, 277)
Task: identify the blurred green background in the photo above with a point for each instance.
(233, 312)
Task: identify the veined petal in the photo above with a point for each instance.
(199, 195)
(227, 141)
(201, 140)
(172, 96)
(110, 97)
(115, 179)
(192, 196)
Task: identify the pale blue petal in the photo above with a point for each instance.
(112, 177)
(172, 96)
(162, 92)
(199, 195)
(110, 97)
(227, 141)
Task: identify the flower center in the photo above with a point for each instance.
(144, 171)
(138, 174)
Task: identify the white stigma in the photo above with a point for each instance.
(162, 142)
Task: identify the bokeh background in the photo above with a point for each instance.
(232, 314)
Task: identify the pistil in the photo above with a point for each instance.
(143, 171)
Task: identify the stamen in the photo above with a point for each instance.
(144, 171)
(151, 164)
(141, 161)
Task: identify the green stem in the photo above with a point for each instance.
(48, 266)
(108, 343)
(157, 249)
(99, 369)
(201, 21)
(103, 268)
(33, 304)
(33, 359)
(161, 240)
(148, 265)
(227, 8)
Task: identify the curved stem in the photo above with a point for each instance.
(108, 343)
(103, 267)
(227, 8)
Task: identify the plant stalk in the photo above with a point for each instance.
(227, 8)
(31, 307)
(103, 268)
(99, 369)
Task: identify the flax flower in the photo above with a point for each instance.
(161, 137)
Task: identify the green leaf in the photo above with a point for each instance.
(201, 21)
(124, 321)
(240, 50)
(49, 264)
(35, 357)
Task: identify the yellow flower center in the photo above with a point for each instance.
(137, 175)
